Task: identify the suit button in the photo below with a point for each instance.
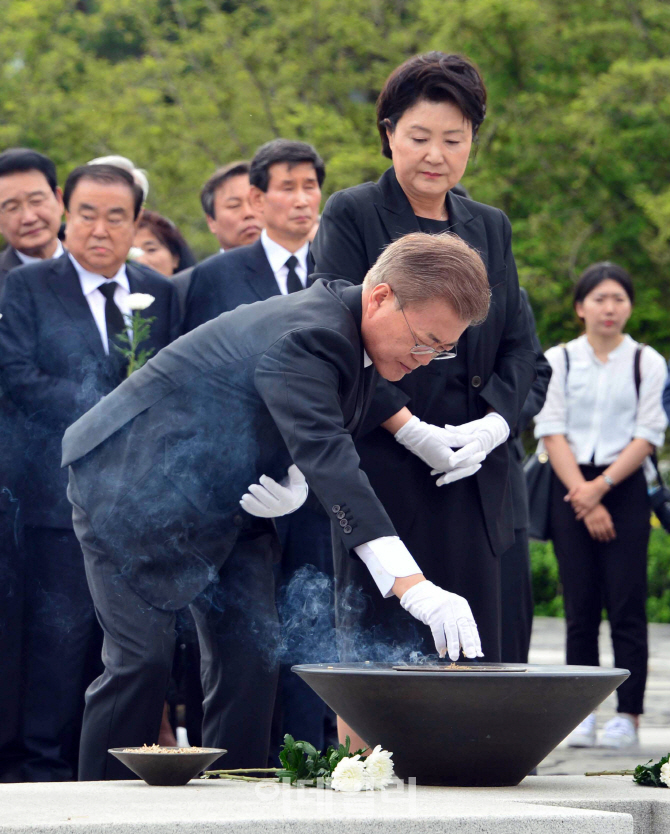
(343, 522)
(341, 514)
(476, 381)
(336, 508)
(347, 529)
(238, 521)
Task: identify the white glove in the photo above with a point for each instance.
(449, 617)
(479, 436)
(268, 499)
(434, 446)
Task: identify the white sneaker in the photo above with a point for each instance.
(585, 734)
(619, 733)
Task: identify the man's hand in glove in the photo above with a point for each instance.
(268, 499)
(435, 447)
(449, 617)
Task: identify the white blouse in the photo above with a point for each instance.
(598, 411)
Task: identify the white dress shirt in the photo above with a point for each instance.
(277, 256)
(598, 411)
(28, 259)
(90, 281)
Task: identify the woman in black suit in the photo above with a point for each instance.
(428, 115)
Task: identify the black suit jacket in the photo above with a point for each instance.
(224, 281)
(356, 225)
(532, 406)
(242, 395)
(8, 260)
(53, 366)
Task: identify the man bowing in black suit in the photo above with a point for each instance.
(158, 468)
(61, 320)
(286, 178)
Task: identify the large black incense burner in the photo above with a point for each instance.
(456, 724)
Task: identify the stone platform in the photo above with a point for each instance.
(552, 804)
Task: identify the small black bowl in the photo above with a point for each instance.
(166, 768)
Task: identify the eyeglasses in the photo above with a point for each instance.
(424, 350)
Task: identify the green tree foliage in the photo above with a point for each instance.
(575, 146)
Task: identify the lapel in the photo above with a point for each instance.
(258, 272)
(9, 259)
(64, 283)
(394, 210)
(352, 298)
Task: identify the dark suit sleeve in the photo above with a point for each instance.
(174, 314)
(538, 390)
(198, 299)
(339, 248)
(298, 380)
(514, 370)
(52, 399)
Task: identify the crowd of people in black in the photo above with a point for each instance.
(77, 675)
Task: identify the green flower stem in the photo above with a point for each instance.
(611, 773)
(233, 778)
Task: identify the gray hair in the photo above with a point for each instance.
(139, 174)
(421, 268)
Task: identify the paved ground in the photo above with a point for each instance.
(548, 646)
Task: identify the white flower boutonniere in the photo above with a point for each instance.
(138, 330)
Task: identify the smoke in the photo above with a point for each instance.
(308, 610)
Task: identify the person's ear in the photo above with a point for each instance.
(579, 310)
(256, 198)
(211, 224)
(58, 194)
(390, 132)
(380, 295)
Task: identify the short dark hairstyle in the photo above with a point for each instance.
(17, 160)
(107, 174)
(170, 236)
(434, 76)
(221, 175)
(596, 274)
(283, 150)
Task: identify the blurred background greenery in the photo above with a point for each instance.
(575, 147)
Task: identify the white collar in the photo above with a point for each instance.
(29, 259)
(277, 255)
(90, 281)
(366, 359)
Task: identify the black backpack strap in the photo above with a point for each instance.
(636, 368)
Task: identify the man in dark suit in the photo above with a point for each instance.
(286, 379)
(286, 178)
(230, 216)
(31, 207)
(61, 322)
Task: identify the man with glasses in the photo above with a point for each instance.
(61, 324)
(160, 472)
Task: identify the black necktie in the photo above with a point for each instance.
(293, 283)
(113, 316)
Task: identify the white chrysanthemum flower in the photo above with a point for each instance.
(140, 300)
(378, 769)
(349, 775)
(135, 252)
(665, 773)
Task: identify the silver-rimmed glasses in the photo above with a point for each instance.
(424, 350)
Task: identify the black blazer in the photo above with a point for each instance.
(356, 225)
(8, 260)
(53, 366)
(180, 441)
(532, 406)
(224, 281)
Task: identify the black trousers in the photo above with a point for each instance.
(12, 588)
(305, 579)
(62, 641)
(610, 575)
(516, 600)
(237, 628)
